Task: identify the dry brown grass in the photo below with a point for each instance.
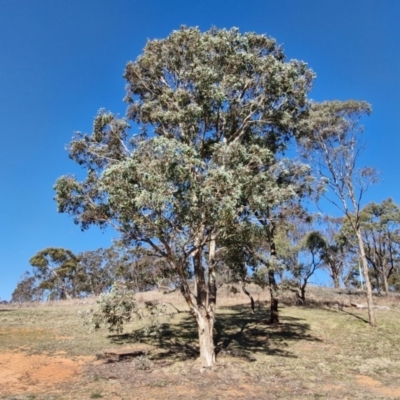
(316, 352)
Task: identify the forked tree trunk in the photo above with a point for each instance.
(205, 324)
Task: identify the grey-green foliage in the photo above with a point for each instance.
(202, 87)
(221, 105)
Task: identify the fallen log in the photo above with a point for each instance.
(116, 355)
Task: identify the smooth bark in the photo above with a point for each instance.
(371, 314)
(205, 323)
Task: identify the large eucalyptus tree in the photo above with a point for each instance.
(213, 112)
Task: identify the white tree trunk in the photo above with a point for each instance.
(206, 339)
(371, 315)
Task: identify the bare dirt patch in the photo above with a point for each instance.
(378, 387)
(22, 373)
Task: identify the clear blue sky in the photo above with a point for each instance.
(60, 61)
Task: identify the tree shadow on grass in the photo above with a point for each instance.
(242, 330)
(237, 332)
(355, 316)
(335, 311)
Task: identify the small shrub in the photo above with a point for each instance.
(113, 309)
(119, 306)
(142, 363)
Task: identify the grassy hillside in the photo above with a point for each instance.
(318, 351)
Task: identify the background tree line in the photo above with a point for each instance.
(304, 244)
(59, 274)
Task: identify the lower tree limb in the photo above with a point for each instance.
(251, 297)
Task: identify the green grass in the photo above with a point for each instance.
(48, 329)
(314, 352)
(96, 396)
